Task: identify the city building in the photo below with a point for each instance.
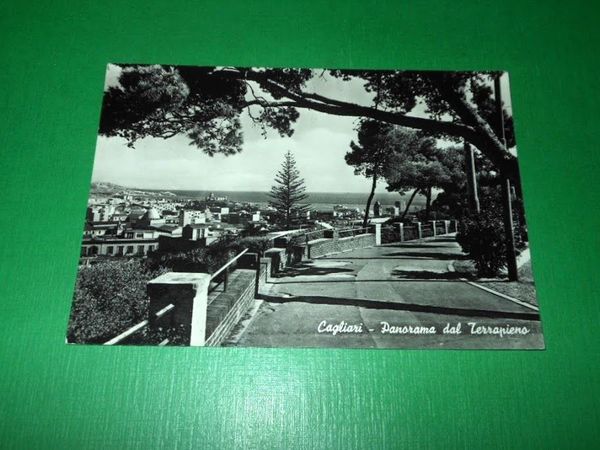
(100, 213)
(97, 229)
(193, 216)
(196, 231)
(151, 218)
(211, 198)
(217, 212)
(117, 247)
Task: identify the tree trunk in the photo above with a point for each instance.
(288, 219)
(427, 203)
(408, 204)
(483, 136)
(369, 200)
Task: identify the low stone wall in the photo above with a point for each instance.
(264, 273)
(322, 247)
(278, 258)
(284, 257)
(188, 292)
(209, 318)
(399, 232)
(229, 307)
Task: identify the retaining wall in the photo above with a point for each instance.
(229, 307)
(322, 247)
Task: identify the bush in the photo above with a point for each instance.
(110, 297)
(256, 244)
(390, 234)
(482, 237)
(202, 260)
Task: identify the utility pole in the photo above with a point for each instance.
(511, 254)
(471, 178)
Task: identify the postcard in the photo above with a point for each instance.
(286, 207)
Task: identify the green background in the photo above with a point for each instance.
(52, 395)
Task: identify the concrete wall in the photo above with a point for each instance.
(228, 308)
(278, 257)
(264, 274)
(209, 319)
(324, 247)
(213, 318)
(188, 292)
(285, 255)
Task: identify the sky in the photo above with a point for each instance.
(318, 144)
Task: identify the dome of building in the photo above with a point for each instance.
(152, 214)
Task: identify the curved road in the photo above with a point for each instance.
(403, 285)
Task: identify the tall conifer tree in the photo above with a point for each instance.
(289, 193)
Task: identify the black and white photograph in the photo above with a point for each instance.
(293, 207)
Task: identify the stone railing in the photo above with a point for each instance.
(288, 250)
(400, 232)
(337, 241)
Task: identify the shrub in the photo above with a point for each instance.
(110, 297)
(482, 237)
(390, 234)
(203, 260)
(256, 244)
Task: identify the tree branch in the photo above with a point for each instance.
(337, 107)
(474, 128)
(486, 139)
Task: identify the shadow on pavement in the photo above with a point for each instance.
(445, 239)
(413, 307)
(398, 256)
(309, 269)
(427, 275)
(429, 255)
(415, 246)
(354, 280)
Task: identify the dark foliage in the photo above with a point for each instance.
(203, 260)
(110, 297)
(376, 146)
(482, 237)
(255, 244)
(205, 104)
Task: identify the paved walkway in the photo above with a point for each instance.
(403, 284)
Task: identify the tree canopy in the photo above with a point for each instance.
(205, 104)
(380, 145)
(369, 155)
(427, 167)
(422, 167)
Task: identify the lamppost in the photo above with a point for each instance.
(511, 254)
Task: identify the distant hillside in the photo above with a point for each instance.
(101, 187)
(105, 188)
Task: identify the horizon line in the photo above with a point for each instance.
(234, 190)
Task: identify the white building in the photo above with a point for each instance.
(100, 213)
(196, 231)
(192, 216)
